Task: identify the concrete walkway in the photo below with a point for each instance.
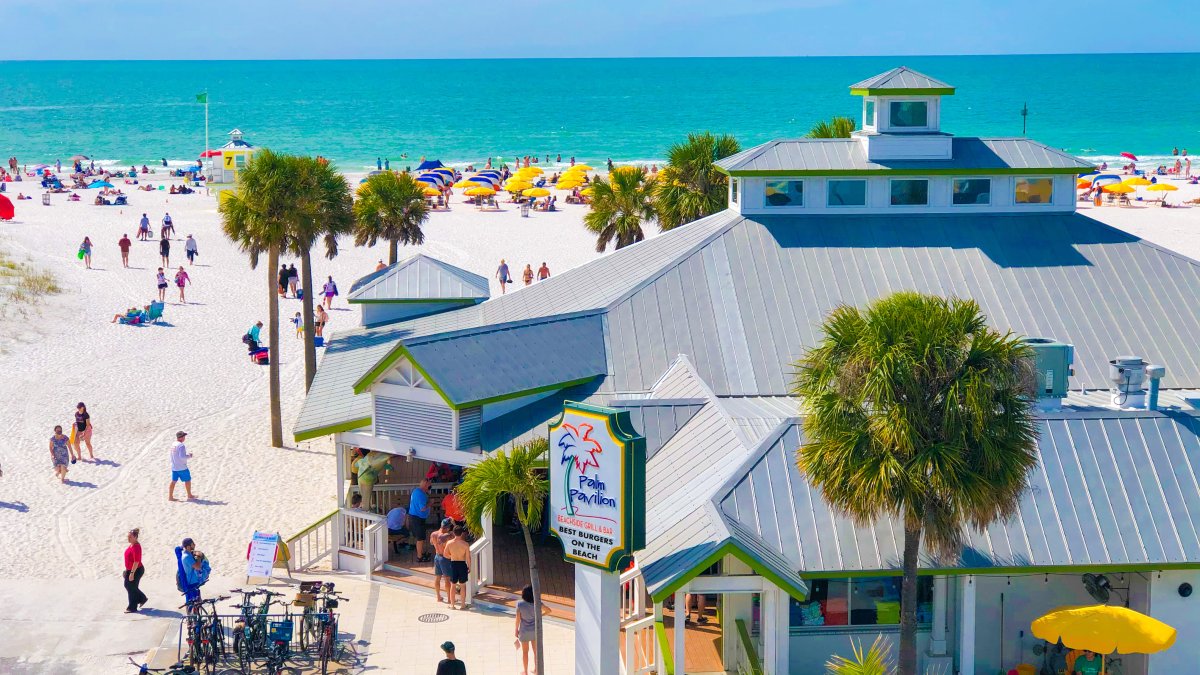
(77, 626)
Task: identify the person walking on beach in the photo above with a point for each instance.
(144, 228)
(191, 249)
(525, 630)
(83, 431)
(458, 550)
(124, 245)
(179, 467)
(293, 280)
(85, 252)
(543, 272)
(164, 250)
(284, 275)
(451, 665)
(441, 564)
(133, 573)
(192, 570)
(329, 290)
(168, 226)
(321, 316)
(181, 280)
(527, 275)
(502, 275)
(60, 455)
(161, 280)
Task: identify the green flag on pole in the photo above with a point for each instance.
(202, 98)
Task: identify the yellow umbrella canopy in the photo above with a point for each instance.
(479, 192)
(530, 171)
(517, 185)
(1137, 181)
(1161, 187)
(432, 192)
(568, 184)
(467, 183)
(580, 167)
(1081, 184)
(588, 192)
(536, 192)
(1119, 188)
(1104, 629)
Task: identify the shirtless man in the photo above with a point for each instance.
(441, 564)
(458, 550)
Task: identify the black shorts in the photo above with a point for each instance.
(416, 526)
(459, 571)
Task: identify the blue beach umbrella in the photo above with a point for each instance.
(100, 184)
(430, 164)
(432, 178)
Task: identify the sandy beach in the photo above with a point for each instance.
(142, 384)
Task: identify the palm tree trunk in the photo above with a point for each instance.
(536, 582)
(273, 337)
(393, 251)
(310, 349)
(908, 601)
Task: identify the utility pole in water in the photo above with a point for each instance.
(1024, 116)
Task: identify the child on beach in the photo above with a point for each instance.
(181, 279)
(85, 252)
(298, 323)
(162, 285)
(59, 454)
(330, 290)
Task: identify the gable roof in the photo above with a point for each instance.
(848, 156)
(902, 80)
(419, 278)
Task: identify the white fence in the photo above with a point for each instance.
(641, 648)
(312, 544)
(633, 596)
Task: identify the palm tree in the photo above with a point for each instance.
(620, 203)
(258, 217)
(915, 409)
(392, 207)
(519, 474)
(689, 186)
(837, 127)
(322, 211)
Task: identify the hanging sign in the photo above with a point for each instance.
(597, 485)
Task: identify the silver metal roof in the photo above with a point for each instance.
(659, 419)
(901, 78)
(1112, 488)
(819, 155)
(419, 278)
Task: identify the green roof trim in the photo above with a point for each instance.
(525, 392)
(417, 301)
(730, 547)
(1003, 171)
(664, 648)
(1002, 571)
(351, 425)
(932, 91)
(748, 645)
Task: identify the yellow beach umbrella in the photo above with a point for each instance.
(581, 167)
(1161, 187)
(467, 183)
(514, 185)
(536, 192)
(1119, 188)
(1137, 181)
(479, 192)
(1104, 629)
(432, 192)
(531, 170)
(1081, 184)
(567, 184)
(575, 171)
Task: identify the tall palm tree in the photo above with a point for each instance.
(620, 203)
(690, 187)
(915, 409)
(836, 127)
(258, 217)
(392, 207)
(322, 203)
(519, 474)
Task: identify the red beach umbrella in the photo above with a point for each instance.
(210, 153)
(6, 208)
(1130, 156)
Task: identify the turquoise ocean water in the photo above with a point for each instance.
(627, 109)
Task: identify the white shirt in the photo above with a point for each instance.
(179, 457)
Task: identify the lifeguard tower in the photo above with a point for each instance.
(233, 158)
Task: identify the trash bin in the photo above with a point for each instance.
(525, 210)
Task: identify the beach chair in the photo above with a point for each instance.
(121, 201)
(156, 312)
(46, 199)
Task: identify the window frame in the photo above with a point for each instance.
(927, 581)
(891, 195)
(767, 183)
(1020, 204)
(977, 205)
(870, 113)
(733, 190)
(866, 193)
(928, 115)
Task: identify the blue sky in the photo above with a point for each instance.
(291, 29)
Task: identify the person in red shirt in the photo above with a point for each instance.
(133, 573)
(124, 244)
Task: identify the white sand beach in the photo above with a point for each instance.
(142, 384)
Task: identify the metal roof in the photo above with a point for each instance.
(419, 278)
(831, 155)
(1112, 488)
(659, 419)
(900, 78)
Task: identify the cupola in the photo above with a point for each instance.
(901, 115)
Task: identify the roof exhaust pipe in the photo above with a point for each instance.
(1155, 374)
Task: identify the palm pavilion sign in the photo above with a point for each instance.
(597, 485)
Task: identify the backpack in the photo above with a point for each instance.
(246, 339)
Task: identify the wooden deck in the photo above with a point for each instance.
(702, 642)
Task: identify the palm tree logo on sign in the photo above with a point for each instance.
(580, 450)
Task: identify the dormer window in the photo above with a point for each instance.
(909, 114)
(869, 113)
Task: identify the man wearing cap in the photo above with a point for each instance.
(179, 466)
(450, 665)
(441, 564)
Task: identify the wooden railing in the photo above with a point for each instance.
(641, 648)
(386, 497)
(375, 547)
(354, 529)
(312, 544)
(482, 572)
(633, 596)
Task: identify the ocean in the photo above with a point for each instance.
(630, 110)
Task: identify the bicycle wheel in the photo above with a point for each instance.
(241, 645)
(218, 638)
(326, 649)
(305, 627)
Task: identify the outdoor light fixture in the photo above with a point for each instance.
(412, 452)
(1185, 589)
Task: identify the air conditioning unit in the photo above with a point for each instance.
(1052, 361)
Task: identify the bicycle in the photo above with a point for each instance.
(177, 669)
(279, 634)
(206, 636)
(328, 648)
(250, 629)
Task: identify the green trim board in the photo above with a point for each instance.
(664, 647)
(748, 645)
(525, 392)
(312, 527)
(902, 91)
(1001, 171)
(730, 547)
(331, 429)
(417, 301)
(1005, 571)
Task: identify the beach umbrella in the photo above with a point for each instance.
(1081, 184)
(466, 183)
(490, 180)
(580, 167)
(514, 185)
(1119, 189)
(588, 192)
(1137, 181)
(430, 164)
(479, 192)
(1161, 187)
(531, 170)
(1106, 178)
(434, 178)
(1104, 629)
(432, 192)
(100, 184)
(1130, 156)
(568, 184)
(79, 158)
(210, 153)
(488, 172)
(6, 208)
(39, 167)
(536, 192)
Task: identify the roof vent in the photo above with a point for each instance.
(1052, 364)
(1127, 374)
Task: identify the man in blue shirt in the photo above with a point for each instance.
(418, 513)
(395, 524)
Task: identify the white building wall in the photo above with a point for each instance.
(1025, 598)
(1168, 606)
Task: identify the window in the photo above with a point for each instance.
(847, 193)
(869, 114)
(910, 192)
(870, 601)
(972, 191)
(913, 114)
(1034, 190)
(785, 193)
(733, 189)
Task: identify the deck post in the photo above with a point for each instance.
(681, 612)
(966, 626)
(776, 630)
(597, 621)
